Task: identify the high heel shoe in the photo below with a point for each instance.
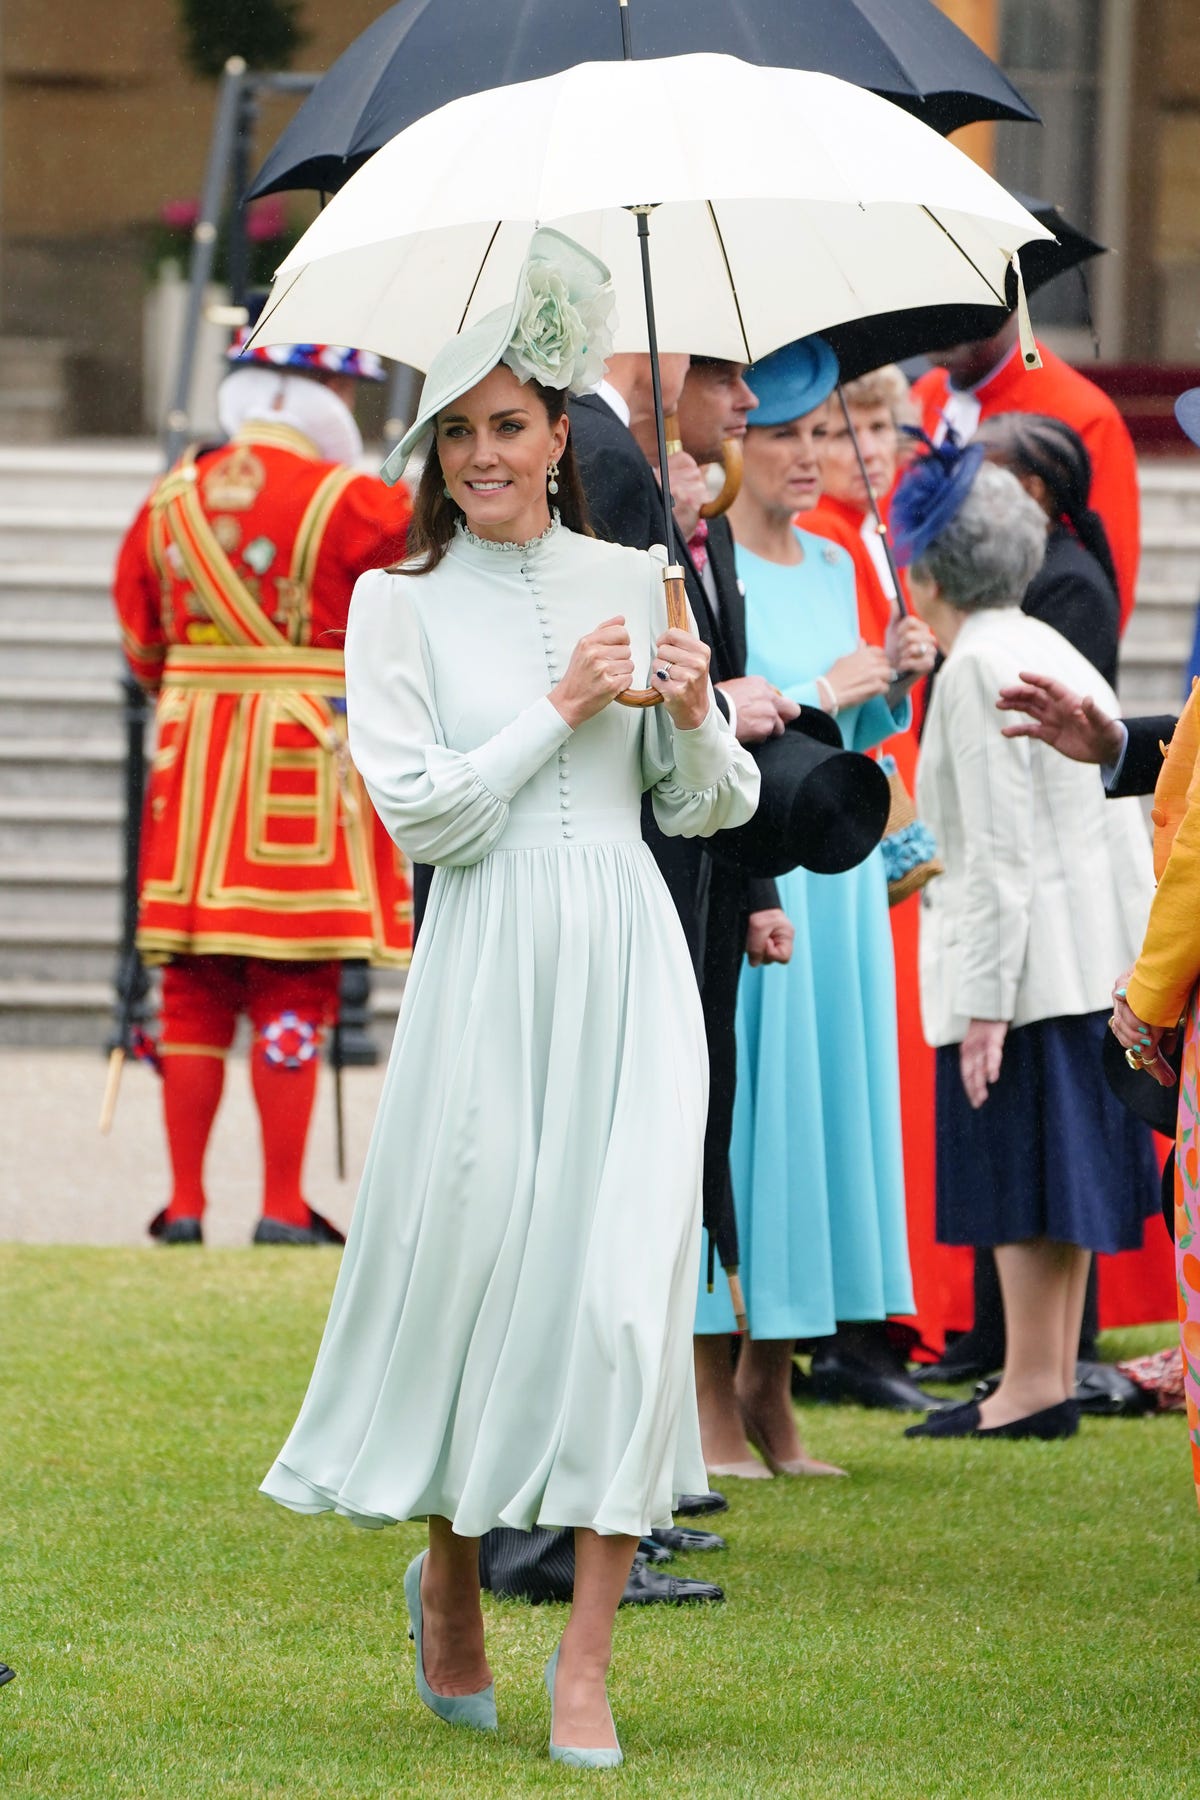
(573, 1756)
(798, 1465)
(477, 1710)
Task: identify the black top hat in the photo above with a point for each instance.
(822, 807)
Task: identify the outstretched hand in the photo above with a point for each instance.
(1070, 723)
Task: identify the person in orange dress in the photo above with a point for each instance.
(263, 866)
(973, 382)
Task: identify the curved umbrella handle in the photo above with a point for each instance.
(731, 462)
(677, 620)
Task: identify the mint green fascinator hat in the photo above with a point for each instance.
(556, 331)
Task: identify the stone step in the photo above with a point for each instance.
(62, 768)
(118, 473)
(57, 1015)
(58, 951)
(87, 535)
(65, 830)
(61, 892)
(31, 708)
(51, 590)
(43, 647)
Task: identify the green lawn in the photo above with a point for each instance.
(957, 1620)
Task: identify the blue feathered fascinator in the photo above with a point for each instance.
(930, 493)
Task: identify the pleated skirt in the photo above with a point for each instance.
(509, 1341)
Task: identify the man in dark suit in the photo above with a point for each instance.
(1129, 752)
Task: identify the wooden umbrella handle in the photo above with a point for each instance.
(731, 462)
(677, 620)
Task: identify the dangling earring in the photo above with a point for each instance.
(552, 484)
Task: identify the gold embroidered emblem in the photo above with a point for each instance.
(291, 608)
(227, 532)
(200, 631)
(234, 481)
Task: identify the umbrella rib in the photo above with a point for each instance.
(732, 284)
(479, 272)
(930, 214)
(272, 306)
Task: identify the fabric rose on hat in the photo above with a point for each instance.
(563, 333)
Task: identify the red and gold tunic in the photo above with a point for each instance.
(232, 588)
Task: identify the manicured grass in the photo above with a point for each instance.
(957, 1620)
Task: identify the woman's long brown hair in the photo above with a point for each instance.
(435, 515)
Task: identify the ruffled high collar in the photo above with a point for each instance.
(463, 535)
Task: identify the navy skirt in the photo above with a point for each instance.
(1052, 1153)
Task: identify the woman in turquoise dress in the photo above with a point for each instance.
(816, 1155)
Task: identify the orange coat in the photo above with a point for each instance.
(1063, 393)
(232, 588)
(1169, 965)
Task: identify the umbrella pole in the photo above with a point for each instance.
(660, 429)
(626, 39)
(873, 504)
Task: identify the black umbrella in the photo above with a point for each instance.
(422, 53)
(864, 344)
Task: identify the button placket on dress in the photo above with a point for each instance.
(534, 585)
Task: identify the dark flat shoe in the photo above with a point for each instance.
(694, 1506)
(175, 1231)
(949, 1369)
(318, 1231)
(1060, 1421)
(675, 1538)
(6, 1674)
(650, 1552)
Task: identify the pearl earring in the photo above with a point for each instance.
(552, 483)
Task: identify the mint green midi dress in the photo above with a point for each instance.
(509, 1341)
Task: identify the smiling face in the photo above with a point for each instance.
(495, 444)
(876, 432)
(782, 463)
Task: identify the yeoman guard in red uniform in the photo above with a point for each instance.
(263, 865)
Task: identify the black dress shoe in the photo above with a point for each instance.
(1060, 1421)
(836, 1376)
(175, 1231)
(694, 1506)
(318, 1231)
(950, 1368)
(6, 1674)
(674, 1538)
(647, 1587)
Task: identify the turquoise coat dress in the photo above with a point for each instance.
(818, 1172)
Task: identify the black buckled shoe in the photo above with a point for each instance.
(649, 1551)
(175, 1231)
(276, 1231)
(682, 1542)
(647, 1587)
(695, 1506)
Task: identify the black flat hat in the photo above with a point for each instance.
(1147, 1099)
(822, 807)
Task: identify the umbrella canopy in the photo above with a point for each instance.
(423, 53)
(868, 343)
(831, 205)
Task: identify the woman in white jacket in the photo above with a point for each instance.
(1046, 891)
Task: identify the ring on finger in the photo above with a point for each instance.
(663, 673)
(1133, 1059)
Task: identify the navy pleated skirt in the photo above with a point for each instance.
(1052, 1153)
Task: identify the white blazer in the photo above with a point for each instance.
(1048, 883)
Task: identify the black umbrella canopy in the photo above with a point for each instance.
(863, 344)
(423, 53)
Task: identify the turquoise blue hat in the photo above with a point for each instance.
(792, 381)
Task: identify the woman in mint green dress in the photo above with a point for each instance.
(509, 1341)
(816, 1154)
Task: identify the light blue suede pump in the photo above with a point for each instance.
(573, 1757)
(476, 1710)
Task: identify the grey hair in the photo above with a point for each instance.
(991, 549)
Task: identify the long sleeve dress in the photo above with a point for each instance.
(817, 1162)
(509, 1337)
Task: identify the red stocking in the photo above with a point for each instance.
(191, 1094)
(284, 1097)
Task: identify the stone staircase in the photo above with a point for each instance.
(63, 510)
